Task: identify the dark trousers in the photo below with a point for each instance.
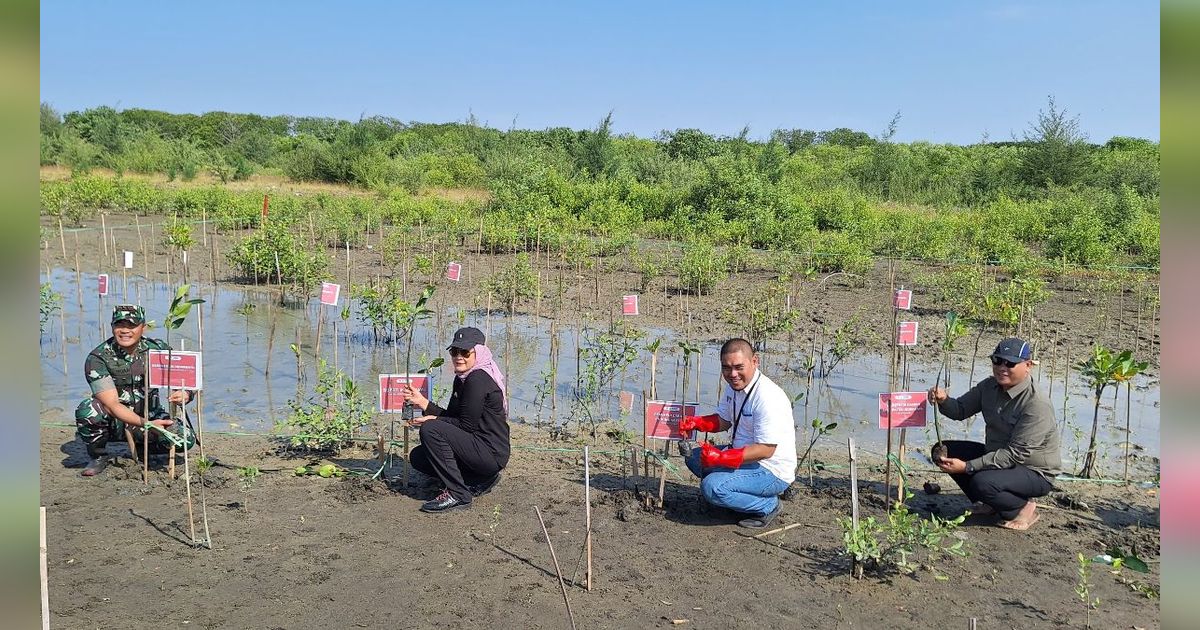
(1005, 489)
(454, 456)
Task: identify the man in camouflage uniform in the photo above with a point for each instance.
(115, 370)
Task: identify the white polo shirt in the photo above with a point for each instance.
(766, 418)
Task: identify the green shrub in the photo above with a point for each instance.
(328, 418)
(255, 256)
(700, 269)
(513, 284)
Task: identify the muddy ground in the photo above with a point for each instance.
(1083, 308)
(307, 552)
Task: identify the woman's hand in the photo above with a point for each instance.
(416, 422)
(413, 396)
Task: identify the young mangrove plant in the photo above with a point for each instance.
(1101, 369)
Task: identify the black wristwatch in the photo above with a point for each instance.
(970, 468)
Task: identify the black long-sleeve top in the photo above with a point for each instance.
(477, 407)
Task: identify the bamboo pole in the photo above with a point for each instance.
(44, 569)
(853, 490)
(146, 418)
(103, 233)
(557, 571)
(587, 503)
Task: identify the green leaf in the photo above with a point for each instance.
(437, 363)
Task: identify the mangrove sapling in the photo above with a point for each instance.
(1102, 369)
(1083, 587)
(954, 329)
(817, 431)
(247, 475)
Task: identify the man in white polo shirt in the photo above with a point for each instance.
(748, 475)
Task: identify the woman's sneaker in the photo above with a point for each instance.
(444, 502)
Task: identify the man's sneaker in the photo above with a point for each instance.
(444, 502)
(95, 466)
(761, 522)
(485, 486)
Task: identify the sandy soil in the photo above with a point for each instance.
(306, 552)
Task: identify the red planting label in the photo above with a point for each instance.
(907, 334)
(391, 390)
(908, 409)
(629, 305)
(663, 416)
(102, 283)
(903, 299)
(454, 271)
(329, 293)
(177, 369)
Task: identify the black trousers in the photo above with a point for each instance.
(454, 456)
(1005, 489)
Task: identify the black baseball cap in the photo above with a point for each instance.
(467, 338)
(1014, 350)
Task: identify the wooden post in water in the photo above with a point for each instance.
(587, 502)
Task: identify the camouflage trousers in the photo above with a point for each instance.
(95, 427)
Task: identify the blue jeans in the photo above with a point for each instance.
(750, 489)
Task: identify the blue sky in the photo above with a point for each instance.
(954, 70)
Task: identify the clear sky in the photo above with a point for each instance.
(955, 70)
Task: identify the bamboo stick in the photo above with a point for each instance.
(587, 503)
(44, 569)
(557, 571)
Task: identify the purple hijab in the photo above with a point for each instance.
(484, 361)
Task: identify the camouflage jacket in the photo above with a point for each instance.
(109, 367)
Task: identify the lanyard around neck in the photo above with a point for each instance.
(738, 418)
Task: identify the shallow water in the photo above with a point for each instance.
(247, 387)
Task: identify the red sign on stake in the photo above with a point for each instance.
(177, 369)
(908, 409)
(663, 416)
(102, 283)
(902, 299)
(629, 305)
(391, 390)
(454, 271)
(329, 293)
(907, 335)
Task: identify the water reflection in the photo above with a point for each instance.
(251, 371)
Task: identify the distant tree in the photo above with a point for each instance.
(845, 137)
(794, 139)
(689, 144)
(50, 121)
(594, 153)
(1057, 152)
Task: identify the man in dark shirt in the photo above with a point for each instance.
(115, 370)
(1021, 451)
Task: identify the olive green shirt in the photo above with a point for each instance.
(1019, 426)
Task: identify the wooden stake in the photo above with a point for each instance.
(146, 418)
(662, 473)
(557, 571)
(587, 512)
(854, 567)
(62, 239)
(132, 446)
(103, 233)
(45, 572)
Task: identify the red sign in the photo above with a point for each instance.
(102, 282)
(265, 202)
(907, 335)
(629, 305)
(663, 416)
(329, 293)
(391, 390)
(177, 369)
(908, 409)
(903, 299)
(454, 271)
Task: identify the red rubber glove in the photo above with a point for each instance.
(713, 457)
(709, 423)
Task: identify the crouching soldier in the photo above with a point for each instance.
(115, 371)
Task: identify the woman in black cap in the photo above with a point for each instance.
(465, 445)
